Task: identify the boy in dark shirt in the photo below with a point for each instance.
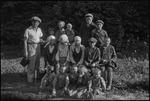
(99, 33)
(73, 77)
(82, 82)
(92, 55)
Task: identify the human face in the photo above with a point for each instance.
(51, 32)
(107, 41)
(63, 69)
(64, 43)
(89, 20)
(92, 44)
(77, 42)
(97, 74)
(69, 27)
(99, 26)
(74, 69)
(35, 24)
(52, 41)
(61, 25)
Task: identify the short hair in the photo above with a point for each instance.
(51, 29)
(74, 66)
(61, 22)
(77, 37)
(108, 38)
(83, 69)
(97, 71)
(69, 24)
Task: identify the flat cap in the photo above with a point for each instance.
(35, 18)
(99, 21)
(93, 40)
(88, 15)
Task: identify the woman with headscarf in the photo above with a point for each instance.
(50, 50)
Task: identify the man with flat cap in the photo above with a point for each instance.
(99, 33)
(32, 39)
(86, 29)
(92, 55)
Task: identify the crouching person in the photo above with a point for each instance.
(77, 52)
(109, 61)
(62, 55)
(73, 77)
(82, 82)
(50, 50)
(96, 84)
(92, 55)
(61, 82)
(47, 80)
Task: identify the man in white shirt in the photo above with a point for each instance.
(32, 37)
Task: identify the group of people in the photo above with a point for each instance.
(74, 65)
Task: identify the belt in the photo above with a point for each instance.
(33, 43)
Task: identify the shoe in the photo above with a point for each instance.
(108, 88)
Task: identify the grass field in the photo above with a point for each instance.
(131, 79)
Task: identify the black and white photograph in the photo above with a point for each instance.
(75, 50)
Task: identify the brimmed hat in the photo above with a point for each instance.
(35, 18)
(99, 22)
(88, 15)
(93, 40)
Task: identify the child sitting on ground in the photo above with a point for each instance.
(47, 80)
(61, 82)
(82, 82)
(73, 77)
(96, 83)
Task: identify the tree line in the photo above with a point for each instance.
(124, 21)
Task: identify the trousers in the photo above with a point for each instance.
(34, 57)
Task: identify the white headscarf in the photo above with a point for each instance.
(49, 38)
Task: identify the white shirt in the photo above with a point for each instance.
(32, 35)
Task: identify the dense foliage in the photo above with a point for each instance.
(127, 22)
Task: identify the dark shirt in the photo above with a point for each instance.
(100, 35)
(50, 57)
(108, 53)
(86, 33)
(83, 81)
(73, 78)
(92, 57)
(77, 56)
